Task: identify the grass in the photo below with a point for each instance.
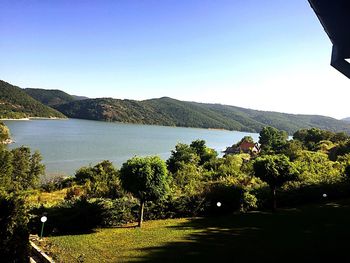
(46, 198)
(313, 233)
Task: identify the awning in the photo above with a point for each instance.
(334, 16)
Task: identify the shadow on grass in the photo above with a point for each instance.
(318, 233)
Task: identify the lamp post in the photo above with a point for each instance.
(43, 219)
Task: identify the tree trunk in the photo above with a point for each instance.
(142, 205)
(274, 199)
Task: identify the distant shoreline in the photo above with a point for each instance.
(33, 118)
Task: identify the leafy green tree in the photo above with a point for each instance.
(311, 137)
(101, 180)
(275, 170)
(272, 140)
(316, 168)
(292, 149)
(37, 169)
(205, 154)
(6, 169)
(146, 179)
(21, 168)
(187, 180)
(340, 149)
(183, 154)
(340, 137)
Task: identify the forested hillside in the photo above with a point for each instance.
(15, 103)
(50, 97)
(171, 112)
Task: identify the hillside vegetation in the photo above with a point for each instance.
(50, 97)
(53, 97)
(171, 112)
(15, 103)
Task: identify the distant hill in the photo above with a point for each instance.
(171, 112)
(346, 119)
(79, 97)
(163, 111)
(15, 103)
(51, 97)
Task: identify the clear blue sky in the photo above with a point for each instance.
(267, 55)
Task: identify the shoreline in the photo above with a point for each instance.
(8, 141)
(33, 118)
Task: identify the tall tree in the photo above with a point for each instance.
(146, 179)
(6, 169)
(205, 154)
(21, 167)
(26, 168)
(275, 170)
(272, 140)
(37, 169)
(183, 154)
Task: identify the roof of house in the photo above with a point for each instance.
(245, 146)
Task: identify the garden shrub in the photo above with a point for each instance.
(14, 235)
(75, 216)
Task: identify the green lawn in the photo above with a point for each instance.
(316, 233)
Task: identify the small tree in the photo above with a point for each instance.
(146, 179)
(275, 170)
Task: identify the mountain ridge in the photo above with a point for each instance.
(15, 103)
(167, 111)
(171, 112)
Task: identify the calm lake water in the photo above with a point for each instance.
(66, 145)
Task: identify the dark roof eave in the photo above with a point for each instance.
(335, 19)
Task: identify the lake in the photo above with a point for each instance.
(67, 145)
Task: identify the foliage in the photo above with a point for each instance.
(14, 235)
(205, 154)
(20, 170)
(171, 112)
(183, 154)
(146, 179)
(73, 216)
(4, 132)
(56, 183)
(275, 170)
(73, 193)
(340, 149)
(272, 140)
(229, 196)
(101, 180)
(187, 179)
(15, 103)
(316, 168)
(292, 149)
(50, 97)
